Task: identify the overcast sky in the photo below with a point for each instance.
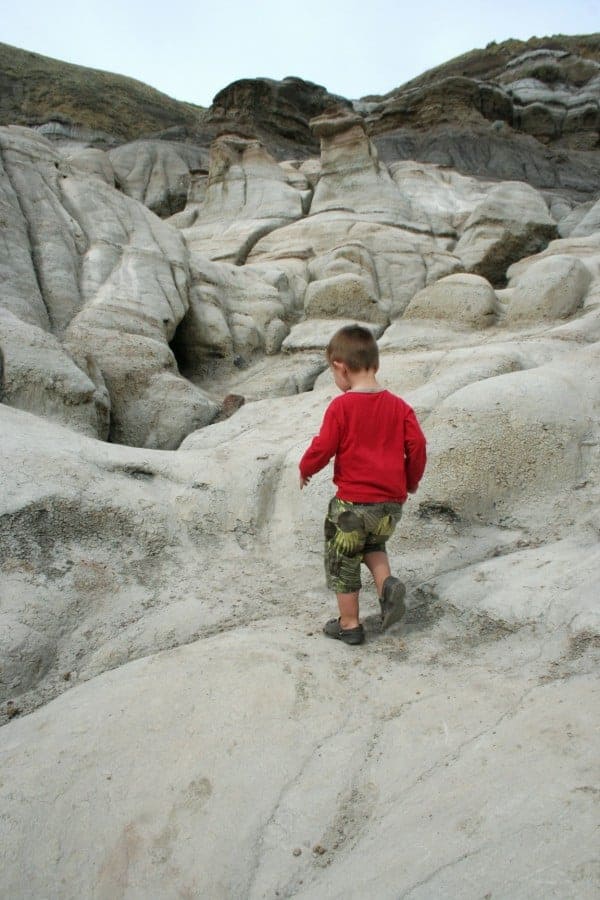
(190, 50)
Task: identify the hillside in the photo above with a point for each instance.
(35, 90)
(518, 110)
(489, 62)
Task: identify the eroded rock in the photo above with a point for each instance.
(462, 298)
(513, 221)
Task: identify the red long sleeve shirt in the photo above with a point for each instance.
(379, 448)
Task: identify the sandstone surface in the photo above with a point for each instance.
(465, 299)
(108, 279)
(157, 173)
(247, 196)
(511, 222)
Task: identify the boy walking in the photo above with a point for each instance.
(380, 455)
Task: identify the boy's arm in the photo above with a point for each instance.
(415, 452)
(321, 449)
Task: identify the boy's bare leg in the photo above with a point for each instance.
(378, 564)
(348, 607)
(391, 598)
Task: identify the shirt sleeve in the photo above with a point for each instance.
(323, 446)
(415, 451)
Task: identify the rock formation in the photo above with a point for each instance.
(163, 679)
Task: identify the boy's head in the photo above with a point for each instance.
(355, 347)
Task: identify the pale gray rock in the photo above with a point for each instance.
(315, 334)
(438, 195)
(134, 281)
(589, 223)
(40, 376)
(567, 223)
(462, 298)
(159, 592)
(247, 195)
(512, 222)
(109, 280)
(234, 311)
(277, 375)
(542, 418)
(346, 295)
(94, 162)
(586, 249)
(429, 381)
(147, 825)
(404, 262)
(21, 293)
(426, 334)
(350, 169)
(550, 288)
(311, 169)
(344, 282)
(157, 173)
(298, 179)
(571, 569)
(129, 574)
(42, 275)
(368, 244)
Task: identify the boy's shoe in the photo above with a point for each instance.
(333, 629)
(392, 603)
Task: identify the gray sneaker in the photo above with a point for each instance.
(333, 629)
(392, 603)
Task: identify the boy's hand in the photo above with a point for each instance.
(303, 481)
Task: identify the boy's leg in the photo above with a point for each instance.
(344, 541)
(378, 564)
(348, 607)
(390, 590)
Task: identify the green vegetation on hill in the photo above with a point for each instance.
(489, 62)
(35, 89)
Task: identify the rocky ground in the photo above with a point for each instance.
(173, 721)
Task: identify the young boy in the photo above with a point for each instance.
(380, 456)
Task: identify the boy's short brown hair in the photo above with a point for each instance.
(354, 346)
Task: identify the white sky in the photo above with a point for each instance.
(191, 50)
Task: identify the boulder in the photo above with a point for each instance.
(344, 282)
(315, 334)
(550, 288)
(515, 436)
(512, 222)
(344, 295)
(464, 299)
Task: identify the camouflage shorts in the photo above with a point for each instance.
(351, 530)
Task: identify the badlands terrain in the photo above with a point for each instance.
(173, 722)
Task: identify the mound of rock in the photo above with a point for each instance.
(109, 280)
